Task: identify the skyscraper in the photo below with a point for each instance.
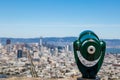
(41, 41)
(8, 44)
(40, 44)
(19, 53)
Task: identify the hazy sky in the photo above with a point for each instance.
(59, 18)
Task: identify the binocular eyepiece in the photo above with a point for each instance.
(89, 53)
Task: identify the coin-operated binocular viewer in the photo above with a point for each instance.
(89, 54)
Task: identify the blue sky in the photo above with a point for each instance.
(59, 18)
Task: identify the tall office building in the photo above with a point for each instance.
(8, 45)
(19, 53)
(0, 47)
(40, 41)
(40, 47)
(40, 44)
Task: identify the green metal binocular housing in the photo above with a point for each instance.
(89, 54)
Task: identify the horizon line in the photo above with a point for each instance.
(51, 37)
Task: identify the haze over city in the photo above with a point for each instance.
(59, 18)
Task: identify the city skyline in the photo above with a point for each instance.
(59, 18)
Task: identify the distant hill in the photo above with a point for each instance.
(112, 44)
(109, 42)
(36, 40)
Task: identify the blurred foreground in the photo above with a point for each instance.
(24, 78)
